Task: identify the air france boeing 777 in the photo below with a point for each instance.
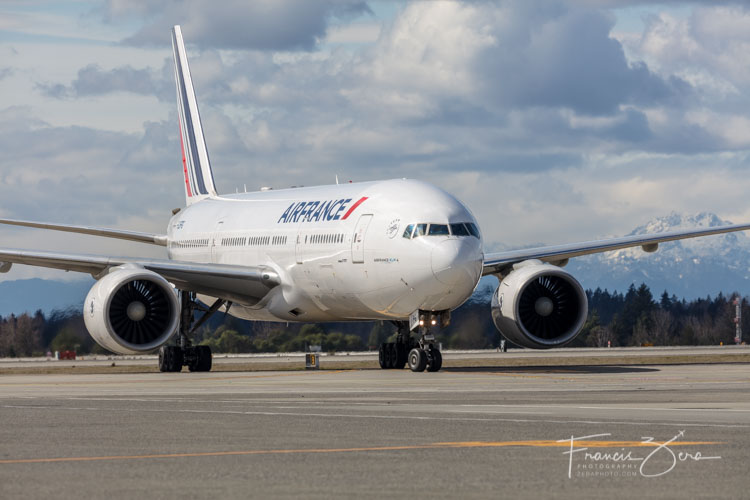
(398, 250)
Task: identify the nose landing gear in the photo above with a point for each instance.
(423, 354)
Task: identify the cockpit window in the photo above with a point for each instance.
(421, 230)
(438, 230)
(459, 230)
(473, 229)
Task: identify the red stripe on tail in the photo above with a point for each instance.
(184, 165)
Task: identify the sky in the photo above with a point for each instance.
(554, 121)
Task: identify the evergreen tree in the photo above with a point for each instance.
(666, 301)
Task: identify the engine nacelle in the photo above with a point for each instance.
(539, 305)
(131, 310)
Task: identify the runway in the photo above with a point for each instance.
(587, 356)
(655, 431)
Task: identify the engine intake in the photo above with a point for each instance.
(539, 305)
(131, 310)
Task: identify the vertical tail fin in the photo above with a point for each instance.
(199, 179)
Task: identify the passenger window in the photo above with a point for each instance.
(472, 229)
(459, 230)
(407, 232)
(420, 230)
(438, 229)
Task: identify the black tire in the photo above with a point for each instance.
(393, 361)
(163, 359)
(206, 358)
(401, 354)
(170, 358)
(177, 359)
(428, 357)
(203, 359)
(435, 360)
(417, 360)
(382, 357)
(388, 352)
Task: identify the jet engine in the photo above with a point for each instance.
(539, 306)
(131, 310)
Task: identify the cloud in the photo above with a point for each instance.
(445, 82)
(447, 85)
(93, 176)
(569, 61)
(354, 33)
(92, 80)
(439, 61)
(263, 25)
(548, 124)
(616, 4)
(708, 50)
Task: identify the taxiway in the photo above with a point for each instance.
(471, 432)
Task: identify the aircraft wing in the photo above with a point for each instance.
(154, 239)
(242, 284)
(500, 262)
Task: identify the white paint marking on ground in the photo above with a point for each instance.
(389, 417)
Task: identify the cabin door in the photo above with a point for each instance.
(358, 240)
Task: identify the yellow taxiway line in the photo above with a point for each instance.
(431, 446)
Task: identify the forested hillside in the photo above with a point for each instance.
(632, 318)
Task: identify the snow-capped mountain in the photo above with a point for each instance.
(687, 268)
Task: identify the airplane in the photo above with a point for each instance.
(399, 250)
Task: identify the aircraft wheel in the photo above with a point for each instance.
(435, 360)
(162, 359)
(417, 360)
(401, 354)
(170, 358)
(382, 357)
(389, 356)
(203, 360)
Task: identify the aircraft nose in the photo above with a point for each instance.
(457, 261)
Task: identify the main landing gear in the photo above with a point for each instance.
(197, 358)
(422, 354)
(392, 355)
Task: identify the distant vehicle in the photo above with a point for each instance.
(399, 250)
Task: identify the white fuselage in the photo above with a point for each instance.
(339, 250)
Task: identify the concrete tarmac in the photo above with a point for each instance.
(650, 431)
(364, 360)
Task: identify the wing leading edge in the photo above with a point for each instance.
(241, 284)
(500, 262)
(151, 238)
